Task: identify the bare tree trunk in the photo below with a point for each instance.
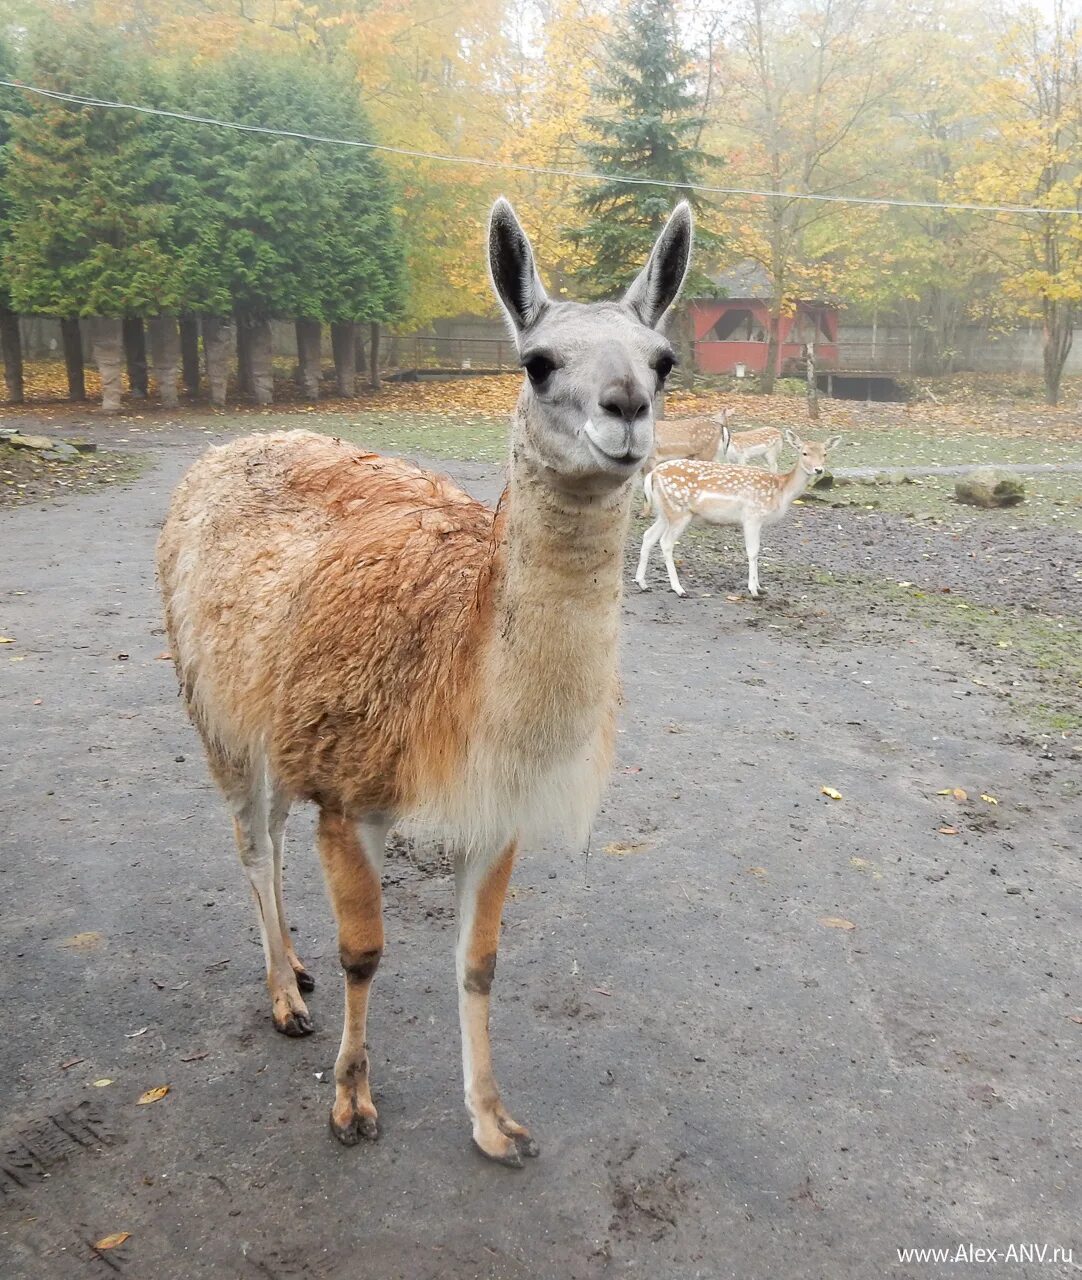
(12, 343)
(189, 354)
(309, 353)
(773, 345)
(259, 356)
(683, 332)
(71, 334)
(135, 356)
(813, 386)
(1058, 340)
(360, 356)
(344, 346)
(373, 355)
(217, 340)
(244, 356)
(108, 338)
(165, 354)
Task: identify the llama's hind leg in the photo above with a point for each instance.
(251, 824)
(279, 811)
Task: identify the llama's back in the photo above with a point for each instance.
(309, 588)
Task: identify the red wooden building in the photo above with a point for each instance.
(733, 330)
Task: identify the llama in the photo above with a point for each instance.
(351, 630)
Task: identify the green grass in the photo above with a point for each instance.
(1032, 658)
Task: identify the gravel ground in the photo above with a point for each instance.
(727, 1079)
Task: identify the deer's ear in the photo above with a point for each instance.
(658, 284)
(792, 439)
(833, 442)
(511, 265)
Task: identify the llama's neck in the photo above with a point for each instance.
(547, 686)
(558, 589)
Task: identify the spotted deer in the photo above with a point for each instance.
(721, 493)
(687, 438)
(762, 442)
(351, 630)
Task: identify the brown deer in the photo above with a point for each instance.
(354, 631)
(760, 442)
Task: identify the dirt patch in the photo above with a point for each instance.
(25, 476)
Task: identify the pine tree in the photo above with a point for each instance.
(649, 130)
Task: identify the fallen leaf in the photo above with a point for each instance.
(111, 1242)
(130, 1035)
(100, 1084)
(6, 640)
(989, 799)
(1075, 1017)
(82, 941)
(947, 831)
(959, 794)
(633, 768)
(164, 657)
(733, 599)
(761, 872)
(618, 848)
(601, 991)
(121, 657)
(152, 1095)
(829, 791)
(836, 922)
(71, 1062)
(196, 1057)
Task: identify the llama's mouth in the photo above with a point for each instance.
(626, 460)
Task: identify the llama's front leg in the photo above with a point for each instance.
(351, 865)
(480, 888)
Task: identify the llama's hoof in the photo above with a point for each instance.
(305, 981)
(295, 1024)
(527, 1146)
(360, 1128)
(509, 1155)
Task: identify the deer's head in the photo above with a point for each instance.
(812, 453)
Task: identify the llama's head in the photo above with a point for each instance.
(592, 369)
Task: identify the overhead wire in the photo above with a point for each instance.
(894, 202)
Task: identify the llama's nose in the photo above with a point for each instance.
(626, 400)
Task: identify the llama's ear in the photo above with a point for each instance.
(658, 284)
(511, 265)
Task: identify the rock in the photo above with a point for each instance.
(64, 449)
(30, 442)
(825, 481)
(84, 446)
(987, 487)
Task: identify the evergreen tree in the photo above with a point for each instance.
(649, 130)
(89, 234)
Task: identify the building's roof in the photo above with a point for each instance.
(746, 279)
(750, 279)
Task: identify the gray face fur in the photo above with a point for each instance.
(592, 369)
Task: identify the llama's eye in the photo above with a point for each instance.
(539, 369)
(664, 367)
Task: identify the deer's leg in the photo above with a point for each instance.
(480, 888)
(649, 541)
(352, 856)
(751, 543)
(251, 825)
(668, 541)
(279, 811)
